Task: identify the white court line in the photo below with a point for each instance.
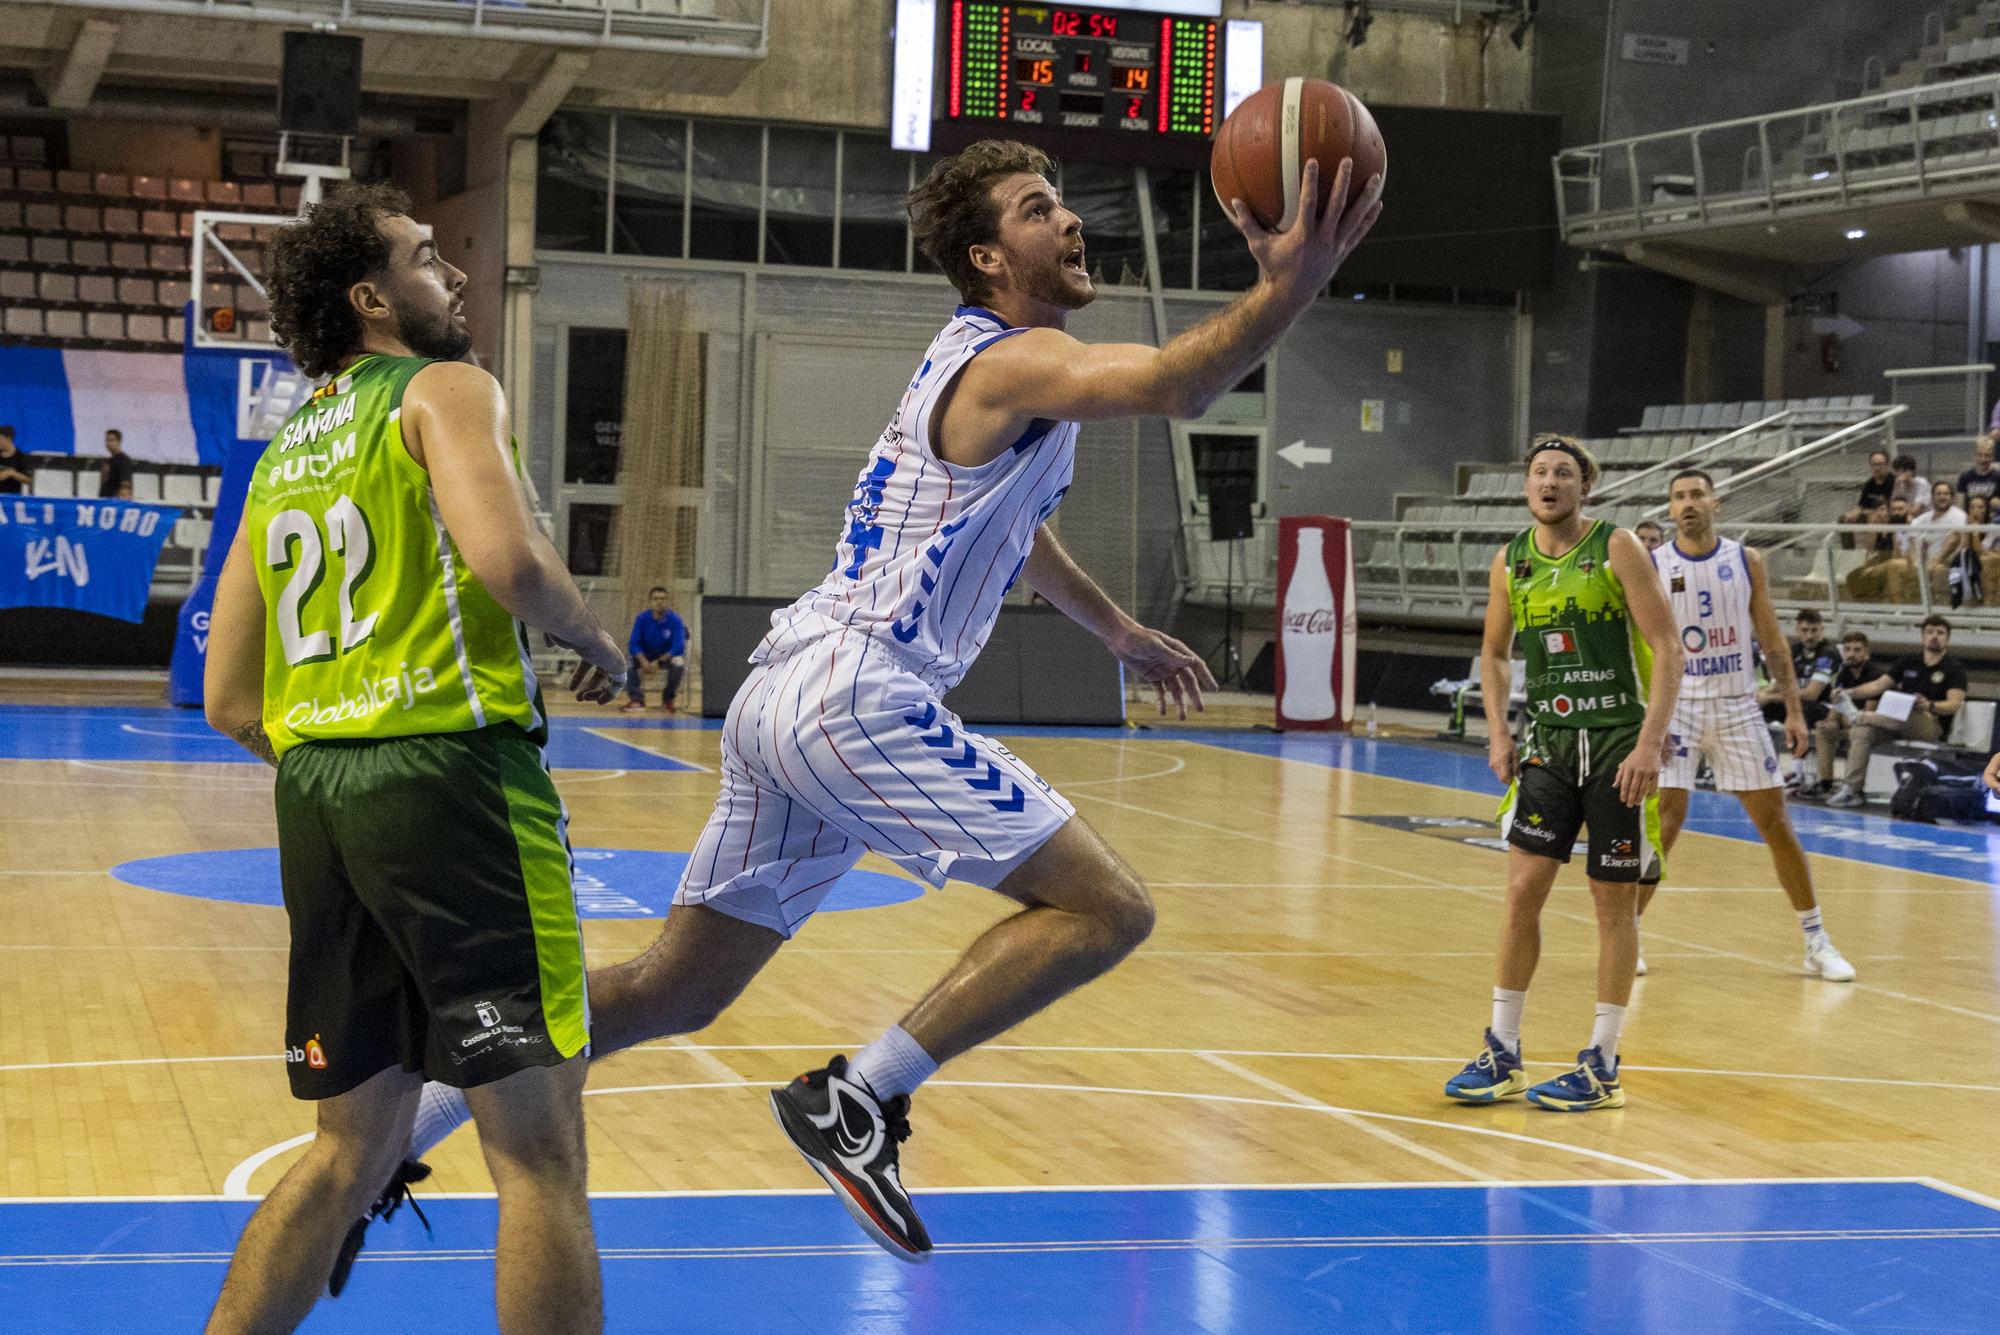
(599, 734)
(1963, 1193)
(236, 1186)
(599, 776)
(1035, 1188)
(1380, 1133)
(1179, 764)
(205, 734)
(696, 1050)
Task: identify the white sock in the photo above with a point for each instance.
(893, 1064)
(441, 1110)
(1809, 921)
(1604, 1031)
(1507, 1007)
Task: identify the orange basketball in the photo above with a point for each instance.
(1264, 145)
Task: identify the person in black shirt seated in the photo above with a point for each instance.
(1814, 665)
(1938, 682)
(1982, 479)
(17, 471)
(1859, 680)
(1875, 493)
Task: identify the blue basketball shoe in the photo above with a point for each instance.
(1494, 1074)
(1593, 1084)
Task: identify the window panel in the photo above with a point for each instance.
(728, 167)
(798, 198)
(652, 182)
(572, 182)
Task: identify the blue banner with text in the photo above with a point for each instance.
(92, 556)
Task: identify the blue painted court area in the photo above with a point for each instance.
(60, 732)
(1970, 852)
(1670, 1259)
(610, 882)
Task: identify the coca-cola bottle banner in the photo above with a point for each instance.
(1315, 623)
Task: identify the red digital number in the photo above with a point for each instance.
(1065, 23)
(1103, 25)
(1135, 108)
(1083, 63)
(1027, 99)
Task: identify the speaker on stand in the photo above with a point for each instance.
(1227, 469)
(319, 98)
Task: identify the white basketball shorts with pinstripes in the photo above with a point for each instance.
(836, 749)
(1732, 734)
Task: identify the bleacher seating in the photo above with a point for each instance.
(103, 258)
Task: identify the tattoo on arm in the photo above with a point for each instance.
(252, 738)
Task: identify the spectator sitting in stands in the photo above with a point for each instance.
(1911, 486)
(1650, 533)
(1935, 679)
(1982, 479)
(1875, 494)
(1968, 564)
(1943, 513)
(17, 471)
(114, 475)
(1887, 575)
(1860, 680)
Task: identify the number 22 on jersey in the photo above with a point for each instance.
(292, 542)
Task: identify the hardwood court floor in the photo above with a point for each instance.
(1320, 966)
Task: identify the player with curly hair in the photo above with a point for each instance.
(368, 640)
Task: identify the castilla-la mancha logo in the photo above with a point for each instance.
(487, 1013)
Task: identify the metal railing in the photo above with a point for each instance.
(711, 27)
(1434, 574)
(1820, 448)
(1934, 138)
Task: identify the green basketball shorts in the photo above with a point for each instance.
(434, 927)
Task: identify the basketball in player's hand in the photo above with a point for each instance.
(1263, 147)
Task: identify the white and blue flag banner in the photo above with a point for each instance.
(91, 556)
(171, 407)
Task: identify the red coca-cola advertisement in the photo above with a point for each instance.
(1315, 623)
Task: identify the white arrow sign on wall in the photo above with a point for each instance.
(1298, 454)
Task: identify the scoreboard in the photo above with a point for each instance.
(1093, 84)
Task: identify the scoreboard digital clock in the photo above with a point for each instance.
(1105, 85)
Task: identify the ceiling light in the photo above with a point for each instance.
(1856, 233)
(1821, 176)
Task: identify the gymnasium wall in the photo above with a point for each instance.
(1452, 401)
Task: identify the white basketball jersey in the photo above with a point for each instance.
(1711, 601)
(931, 548)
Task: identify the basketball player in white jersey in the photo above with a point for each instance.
(1722, 601)
(838, 741)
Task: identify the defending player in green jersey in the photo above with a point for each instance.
(1604, 669)
(368, 639)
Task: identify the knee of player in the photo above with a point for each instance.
(1128, 914)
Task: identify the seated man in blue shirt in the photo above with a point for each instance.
(658, 636)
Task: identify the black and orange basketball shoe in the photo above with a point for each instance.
(850, 1137)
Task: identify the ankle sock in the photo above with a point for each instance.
(441, 1110)
(893, 1064)
(1605, 1030)
(1507, 1007)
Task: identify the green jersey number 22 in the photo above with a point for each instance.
(292, 542)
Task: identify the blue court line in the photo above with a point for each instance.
(1865, 1257)
(72, 732)
(1969, 853)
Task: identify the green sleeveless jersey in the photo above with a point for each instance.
(376, 627)
(1587, 666)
